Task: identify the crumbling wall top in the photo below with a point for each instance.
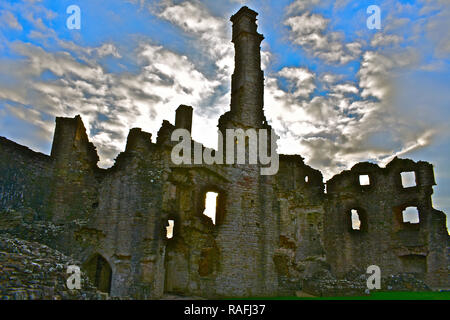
(70, 137)
(12, 147)
(386, 179)
(244, 11)
(138, 140)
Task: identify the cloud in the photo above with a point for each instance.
(381, 39)
(301, 5)
(376, 68)
(45, 127)
(9, 20)
(437, 27)
(301, 79)
(110, 103)
(309, 30)
(210, 36)
(211, 33)
(350, 121)
(332, 119)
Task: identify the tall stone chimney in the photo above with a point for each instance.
(183, 117)
(247, 83)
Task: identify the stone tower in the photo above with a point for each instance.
(247, 83)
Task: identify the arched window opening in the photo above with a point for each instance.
(99, 272)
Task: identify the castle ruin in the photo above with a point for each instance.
(273, 234)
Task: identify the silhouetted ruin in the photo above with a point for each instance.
(273, 235)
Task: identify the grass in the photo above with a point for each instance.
(379, 295)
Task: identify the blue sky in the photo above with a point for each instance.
(336, 92)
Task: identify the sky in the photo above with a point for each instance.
(336, 91)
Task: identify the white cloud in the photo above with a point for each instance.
(376, 70)
(301, 79)
(211, 33)
(309, 30)
(166, 79)
(333, 130)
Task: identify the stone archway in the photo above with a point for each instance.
(99, 271)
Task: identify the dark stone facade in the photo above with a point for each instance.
(274, 234)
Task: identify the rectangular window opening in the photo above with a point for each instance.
(408, 179)
(169, 229)
(364, 180)
(211, 205)
(411, 215)
(356, 222)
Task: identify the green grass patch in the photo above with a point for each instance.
(376, 295)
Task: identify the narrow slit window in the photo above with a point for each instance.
(408, 179)
(306, 179)
(364, 180)
(356, 222)
(211, 205)
(169, 229)
(411, 215)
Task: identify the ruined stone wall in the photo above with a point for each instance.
(25, 178)
(127, 229)
(384, 239)
(245, 238)
(233, 257)
(274, 235)
(299, 252)
(74, 185)
(193, 259)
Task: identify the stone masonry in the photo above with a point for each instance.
(274, 234)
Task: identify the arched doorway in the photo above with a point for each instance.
(99, 271)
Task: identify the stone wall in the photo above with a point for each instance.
(299, 254)
(29, 270)
(25, 178)
(384, 239)
(74, 186)
(274, 235)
